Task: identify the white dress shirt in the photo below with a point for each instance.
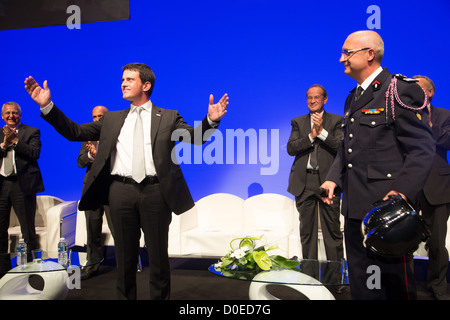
(121, 157)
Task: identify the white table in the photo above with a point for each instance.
(15, 284)
(310, 279)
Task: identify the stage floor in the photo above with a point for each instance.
(192, 281)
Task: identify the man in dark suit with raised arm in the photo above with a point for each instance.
(20, 179)
(314, 141)
(387, 149)
(142, 193)
(434, 200)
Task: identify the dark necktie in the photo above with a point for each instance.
(313, 156)
(359, 92)
(138, 169)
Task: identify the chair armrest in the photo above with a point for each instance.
(61, 222)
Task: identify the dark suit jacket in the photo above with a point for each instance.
(378, 153)
(27, 152)
(437, 187)
(96, 186)
(300, 146)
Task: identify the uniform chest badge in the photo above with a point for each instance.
(372, 111)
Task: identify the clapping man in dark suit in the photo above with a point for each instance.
(387, 149)
(20, 179)
(134, 171)
(314, 141)
(94, 218)
(434, 200)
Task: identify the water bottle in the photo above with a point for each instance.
(62, 252)
(21, 253)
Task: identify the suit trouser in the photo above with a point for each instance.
(372, 276)
(134, 207)
(94, 223)
(436, 218)
(308, 203)
(25, 208)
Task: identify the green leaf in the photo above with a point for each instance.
(247, 242)
(279, 262)
(262, 260)
(227, 261)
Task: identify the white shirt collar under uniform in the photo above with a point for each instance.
(370, 79)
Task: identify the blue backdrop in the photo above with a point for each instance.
(263, 53)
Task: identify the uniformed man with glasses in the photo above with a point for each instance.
(387, 149)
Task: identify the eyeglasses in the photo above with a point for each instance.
(347, 52)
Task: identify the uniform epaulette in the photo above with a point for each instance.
(392, 96)
(405, 78)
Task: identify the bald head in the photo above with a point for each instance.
(362, 54)
(370, 39)
(97, 112)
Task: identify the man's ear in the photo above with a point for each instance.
(371, 53)
(147, 86)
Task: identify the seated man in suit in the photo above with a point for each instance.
(134, 172)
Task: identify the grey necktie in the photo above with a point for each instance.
(8, 166)
(138, 169)
(359, 92)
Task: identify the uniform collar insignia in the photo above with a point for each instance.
(376, 85)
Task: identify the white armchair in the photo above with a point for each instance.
(271, 215)
(55, 218)
(219, 217)
(180, 223)
(81, 233)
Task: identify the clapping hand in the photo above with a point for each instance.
(10, 136)
(91, 149)
(317, 121)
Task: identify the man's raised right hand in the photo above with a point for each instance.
(40, 95)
